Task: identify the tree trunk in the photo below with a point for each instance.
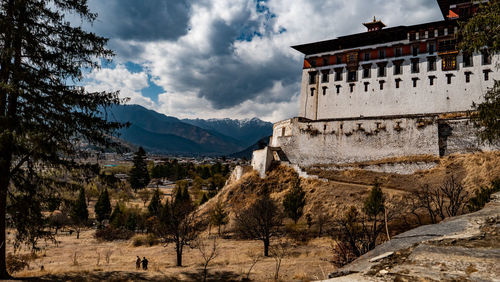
(5, 163)
(219, 229)
(3, 242)
(178, 249)
(266, 247)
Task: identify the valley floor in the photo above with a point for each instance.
(306, 262)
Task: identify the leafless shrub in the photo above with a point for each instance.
(98, 259)
(208, 250)
(279, 251)
(321, 220)
(16, 263)
(447, 200)
(107, 255)
(74, 258)
(255, 256)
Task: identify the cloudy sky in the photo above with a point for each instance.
(227, 58)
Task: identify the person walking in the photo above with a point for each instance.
(144, 263)
(138, 263)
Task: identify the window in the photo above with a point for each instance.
(431, 47)
(448, 78)
(339, 59)
(338, 88)
(367, 56)
(398, 51)
(324, 90)
(431, 63)
(312, 77)
(422, 34)
(381, 84)
(415, 65)
(414, 79)
(381, 53)
(431, 79)
(366, 71)
(449, 63)
(338, 74)
(324, 75)
(366, 86)
(486, 74)
(381, 69)
(325, 61)
(351, 87)
(486, 57)
(467, 76)
(398, 80)
(312, 91)
(447, 45)
(414, 50)
(352, 76)
(413, 36)
(431, 33)
(397, 68)
(313, 62)
(441, 32)
(467, 57)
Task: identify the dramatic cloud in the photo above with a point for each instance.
(148, 20)
(232, 58)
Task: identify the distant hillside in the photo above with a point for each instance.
(247, 131)
(159, 133)
(247, 153)
(163, 134)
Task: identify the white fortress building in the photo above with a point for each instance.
(387, 92)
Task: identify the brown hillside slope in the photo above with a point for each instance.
(346, 188)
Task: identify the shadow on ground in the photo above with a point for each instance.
(117, 276)
(101, 276)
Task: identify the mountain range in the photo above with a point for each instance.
(159, 133)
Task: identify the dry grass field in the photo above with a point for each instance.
(85, 260)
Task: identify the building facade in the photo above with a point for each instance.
(387, 92)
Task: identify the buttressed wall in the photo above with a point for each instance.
(307, 142)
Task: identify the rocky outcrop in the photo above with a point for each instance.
(462, 248)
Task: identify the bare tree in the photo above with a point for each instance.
(321, 220)
(144, 195)
(456, 197)
(177, 223)
(449, 199)
(279, 251)
(208, 251)
(426, 200)
(255, 256)
(260, 221)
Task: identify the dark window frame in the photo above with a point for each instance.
(325, 74)
(312, 77)
(431, 63)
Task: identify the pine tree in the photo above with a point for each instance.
(373, 206)
(44, 115)
(154, 207)
(294, 201)
(116, 216)
(103, 207)
(139, 175)
(79, 212)
(218, 216)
